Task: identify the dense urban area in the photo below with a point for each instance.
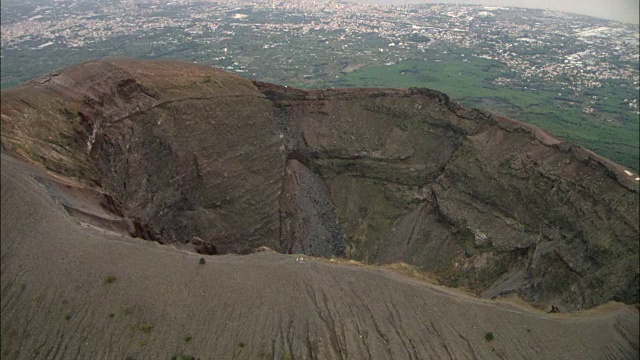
(574, 75)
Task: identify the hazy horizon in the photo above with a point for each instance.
(626, 11)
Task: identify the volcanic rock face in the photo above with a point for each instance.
(187, 154)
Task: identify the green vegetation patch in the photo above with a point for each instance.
(145, 327)
(488, 337)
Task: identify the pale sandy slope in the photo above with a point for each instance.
(56, 304)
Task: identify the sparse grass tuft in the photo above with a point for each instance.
(488, 337)
(145, 327)
(240, 346)
(109, 279)
(202, 261)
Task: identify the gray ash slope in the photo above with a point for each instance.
(161, 302)
(185, 154)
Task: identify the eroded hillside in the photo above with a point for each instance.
(185, 154)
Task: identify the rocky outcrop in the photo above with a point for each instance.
(202, 157)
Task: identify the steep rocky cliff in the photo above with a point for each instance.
(186, 154)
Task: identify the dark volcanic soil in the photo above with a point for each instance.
(72, 291)
(188, 155)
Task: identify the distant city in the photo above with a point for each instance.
(589, 65)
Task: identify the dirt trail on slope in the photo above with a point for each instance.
(74, 292)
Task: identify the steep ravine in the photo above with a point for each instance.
(195, 156)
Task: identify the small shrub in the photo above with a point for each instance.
(488, 337)
(241, 345)
(145, 327)
(111, 315)
(143, 342)
(109, 279)
(187, 339)
(67, 317)
(130, 358)
(202, 261)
